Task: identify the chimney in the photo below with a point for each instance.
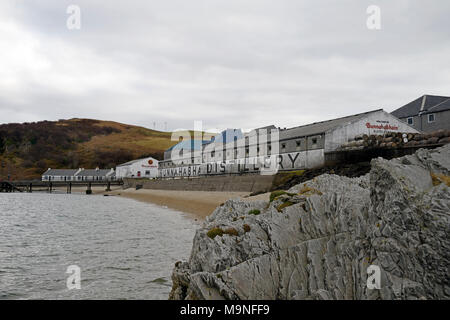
(422, 106)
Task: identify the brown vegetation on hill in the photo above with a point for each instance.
(28, 149)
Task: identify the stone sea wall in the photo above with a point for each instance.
(244, 183)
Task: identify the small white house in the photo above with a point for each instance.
(60, 174)
(72, 175)
(95, 175)
(140, 168)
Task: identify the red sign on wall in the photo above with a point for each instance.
(381, 126)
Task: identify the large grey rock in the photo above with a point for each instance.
(317, 241)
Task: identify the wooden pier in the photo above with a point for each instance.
(49, 186)
(6, 186)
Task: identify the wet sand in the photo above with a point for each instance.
(197, 203)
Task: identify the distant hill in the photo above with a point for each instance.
(28, 149)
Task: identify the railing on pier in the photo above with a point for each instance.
(30, 185)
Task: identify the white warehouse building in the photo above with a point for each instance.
(140, 168)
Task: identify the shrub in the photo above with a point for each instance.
(274, 195)
(28, 164)
(246, 228)
(231, 232)
(215, 232)
(309, 191)
(284, 205)
(254, 212)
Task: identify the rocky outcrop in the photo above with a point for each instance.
(317, 240)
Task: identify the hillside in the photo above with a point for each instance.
(28, 149)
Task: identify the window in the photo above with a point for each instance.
(314, 140)
(298, 143)
(213, 153)
(410, 121)
(431, 117)
(147, 172)
(283, 147)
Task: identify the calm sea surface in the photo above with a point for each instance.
(124, 248)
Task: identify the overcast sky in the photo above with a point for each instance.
(229, 63)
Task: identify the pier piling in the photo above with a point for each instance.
(89, 188)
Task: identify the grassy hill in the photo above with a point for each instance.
(28, 149)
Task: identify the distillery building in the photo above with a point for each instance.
(298, 147)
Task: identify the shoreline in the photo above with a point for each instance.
(197, 204)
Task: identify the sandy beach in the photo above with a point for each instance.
(199, 204)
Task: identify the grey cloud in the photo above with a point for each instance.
(229, 63)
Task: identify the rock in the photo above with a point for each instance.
(317, 240)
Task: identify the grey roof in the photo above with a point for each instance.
(269, 127)
(321, 127)
(430, 104)
(443, 106)
(94, 172)
(60, 172)
(128, 163)
(133, 161)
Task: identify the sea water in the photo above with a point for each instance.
(123, 249)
